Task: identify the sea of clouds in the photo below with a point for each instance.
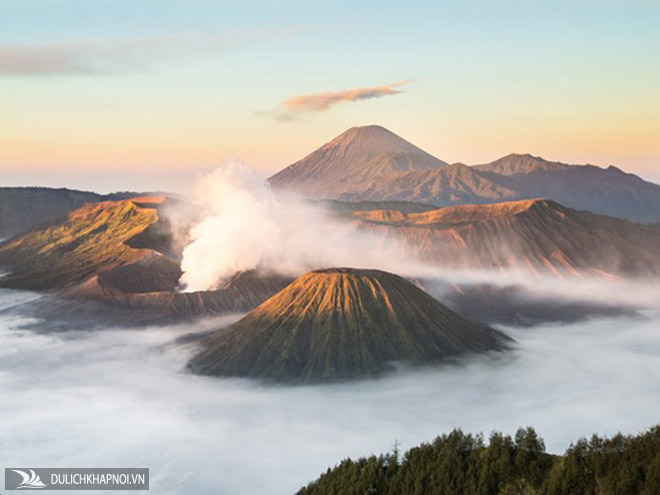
(121, 398)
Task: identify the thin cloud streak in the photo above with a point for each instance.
(320, 102)
(94, 57)
(111, 57)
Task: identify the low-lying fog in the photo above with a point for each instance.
(119, 398)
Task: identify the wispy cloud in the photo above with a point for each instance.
(320, 102)
(107, 57)
(93, 57)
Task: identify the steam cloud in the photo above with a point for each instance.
(245, 226)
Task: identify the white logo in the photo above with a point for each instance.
(30, 480)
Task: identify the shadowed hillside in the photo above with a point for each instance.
(342, 323)
(606, 191)
(21, 208)
(537, 235)
(91, 304)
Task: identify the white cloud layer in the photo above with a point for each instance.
(115, 397)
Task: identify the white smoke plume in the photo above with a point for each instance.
(245, 226)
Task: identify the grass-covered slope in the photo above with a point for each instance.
(23, 208)
(89, 240)
(342, 323)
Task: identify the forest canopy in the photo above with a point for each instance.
(464, 464)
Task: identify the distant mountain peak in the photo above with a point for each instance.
(371, 163)
(372, 129)
(360, 154)
(374, 139)
(517, 163)
(525, 156)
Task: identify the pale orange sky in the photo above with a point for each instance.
(85, 102)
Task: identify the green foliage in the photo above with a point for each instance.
(462, 464)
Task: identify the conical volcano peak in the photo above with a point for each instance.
(342, 323)
(373, 139)
(359, 155)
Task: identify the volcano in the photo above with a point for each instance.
(372, 164)
(118, 262)
(342, 323)
(357, 156)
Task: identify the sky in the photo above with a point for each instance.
(147, 94)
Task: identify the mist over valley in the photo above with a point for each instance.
(246, 336)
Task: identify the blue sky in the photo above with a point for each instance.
(120, 88)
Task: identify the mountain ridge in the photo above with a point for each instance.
(323, 175)
(89, 239)
(537, 235)
(520, 163)
(25, 207)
